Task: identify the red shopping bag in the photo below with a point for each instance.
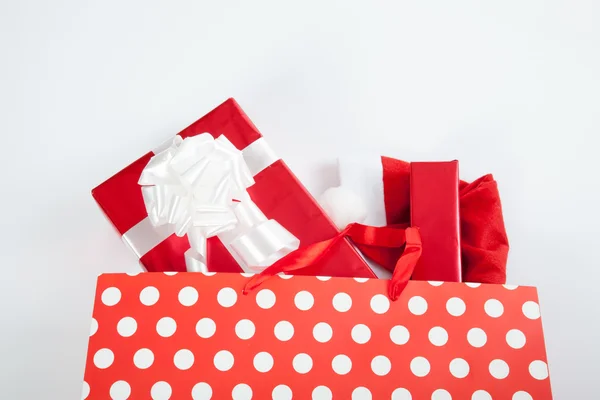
(197, 336)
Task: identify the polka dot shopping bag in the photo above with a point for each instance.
(196, 336)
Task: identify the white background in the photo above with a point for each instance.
(86, 87)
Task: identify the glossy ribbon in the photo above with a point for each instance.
(383, 239)
(197, 186)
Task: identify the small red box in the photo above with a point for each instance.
(434, 210)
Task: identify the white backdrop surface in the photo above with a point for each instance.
(86, 87)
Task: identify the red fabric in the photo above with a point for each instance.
(277, 192)
(484, 244)
(362, 235)
(434, 209)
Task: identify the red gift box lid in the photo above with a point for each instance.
(194, 336)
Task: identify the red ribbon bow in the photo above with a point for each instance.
(387, 240)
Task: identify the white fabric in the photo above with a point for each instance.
(363, 175)
(343, 206)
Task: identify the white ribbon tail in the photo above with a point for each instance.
(264, 245)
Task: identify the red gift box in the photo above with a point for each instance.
(434, 210)
(277, 192)
(196, 336)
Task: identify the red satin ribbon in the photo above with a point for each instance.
(366, 238)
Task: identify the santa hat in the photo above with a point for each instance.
(376, 191)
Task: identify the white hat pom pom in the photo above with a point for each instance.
(343, 206)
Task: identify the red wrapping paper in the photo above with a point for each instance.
(484, 243)
(277, 192)
(434, 210)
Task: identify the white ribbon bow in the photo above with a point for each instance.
(198, 186)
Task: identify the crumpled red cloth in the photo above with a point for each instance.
(484, 244)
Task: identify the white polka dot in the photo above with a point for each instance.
(161, 391)
(263, 362)
(188, 296)
(170, 273)
(85, 392)
(441, 394)
(143, 358)
(104, 358)
(342, 302)
(322, 393)
(522, 395)
(436, 283)
(380, 304)
(515, 339)
(184, 359)
(133, 273)
(531, 310)
(401, 394)
(241, 392)
(284, 331)
(247, 274)
(322, 332)
(538, 370)
(420, 366)
(282, 392)
(341, 364)
(438, 336)
(127, 327)
(361, 334)
(223, 360)
(206, 327)
(417, 305)
(323, 278)
(399, 335)
(499, 369)
(245, 329)
(473, 284)
(361, 393)
(93, 327)
(361, 280)
(111, 296)
(285, 276)
(227, 297)
(481, 395)
(202, 391)
(265, 299)
(120, 390)
(456, 306)
(304, 300)
(459, 368)
(477, 337)
(149, 296)
(510, 287)
(493, 308)
(208, 273)
(381, 365)
(166, 327)
(302, 363)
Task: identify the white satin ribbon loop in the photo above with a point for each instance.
(197, 186)
(265, 244)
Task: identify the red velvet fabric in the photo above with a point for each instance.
(484, 244)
